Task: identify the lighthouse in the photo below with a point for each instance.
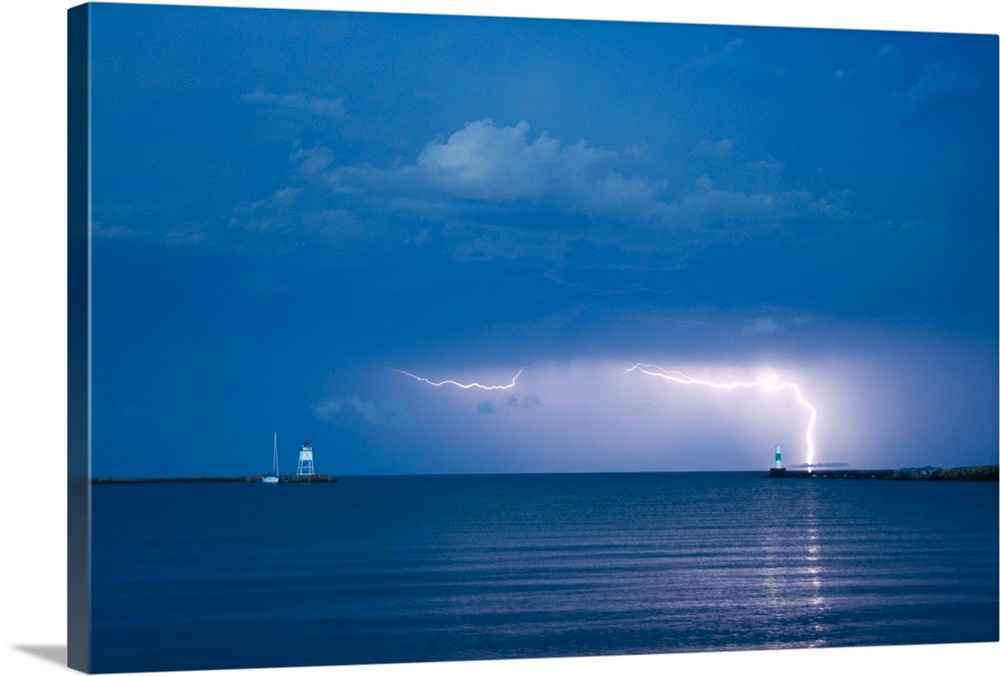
(777, 457)
(306, 467)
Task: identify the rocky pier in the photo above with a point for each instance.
(974, 473)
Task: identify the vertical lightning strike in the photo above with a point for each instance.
(464, 386)
(769, 384)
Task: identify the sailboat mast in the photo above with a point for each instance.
(276, 453)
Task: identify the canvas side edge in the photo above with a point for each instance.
(78, 338)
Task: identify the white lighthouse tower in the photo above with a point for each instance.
(777, 457)
(306, 467)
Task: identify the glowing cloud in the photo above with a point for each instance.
(768, 384)
(464, 386)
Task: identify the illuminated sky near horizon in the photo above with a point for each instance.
(307, 222)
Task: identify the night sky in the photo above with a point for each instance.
(293, 210)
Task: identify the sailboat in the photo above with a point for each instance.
(272, 476)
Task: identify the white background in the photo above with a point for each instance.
(33, 328)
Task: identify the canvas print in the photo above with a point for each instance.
(405, 338)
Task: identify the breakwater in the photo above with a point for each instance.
(285, 478)
(975, 473)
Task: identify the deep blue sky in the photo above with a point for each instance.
(288, 205)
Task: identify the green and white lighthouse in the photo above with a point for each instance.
(777, 457)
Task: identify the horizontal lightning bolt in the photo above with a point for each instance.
(768, 383)
(464, 386)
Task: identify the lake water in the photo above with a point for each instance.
(437, 568)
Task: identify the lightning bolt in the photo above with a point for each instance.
(464, 386)
(769, 384)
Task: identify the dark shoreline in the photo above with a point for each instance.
(976, 473)
(285, 478)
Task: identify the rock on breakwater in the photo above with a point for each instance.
(973, 473)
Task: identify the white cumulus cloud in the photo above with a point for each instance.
(484, 161)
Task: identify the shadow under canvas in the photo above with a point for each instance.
(49, 653)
